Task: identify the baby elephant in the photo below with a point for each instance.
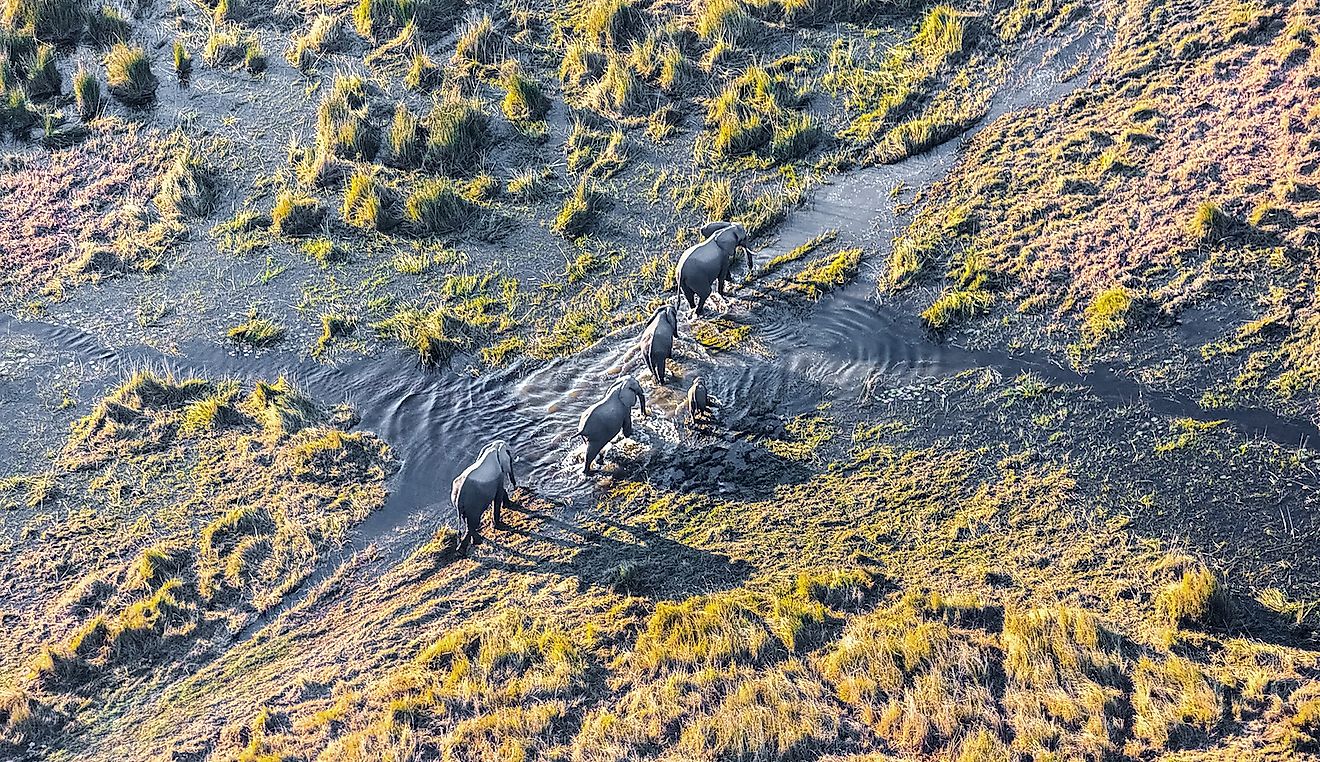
(604, 420)
(698, 399)
(481, 485)
(658, 341)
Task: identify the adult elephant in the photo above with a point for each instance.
(657, 340)
(709, 261)
(604, 420)
(480, 486)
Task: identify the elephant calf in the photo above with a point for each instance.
(604, 420)
(698, 399)
(658, 341)
(709, 261)
(481, 485)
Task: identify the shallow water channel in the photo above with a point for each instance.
(436, 421)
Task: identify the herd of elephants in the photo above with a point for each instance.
(483, 484)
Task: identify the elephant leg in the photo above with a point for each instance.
(660, 371)
(593, 450)
(627, 425)
(501, 500)
(701, 304)
(691, 297)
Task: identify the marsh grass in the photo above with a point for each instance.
(531, 184)
(296, 214)
(342, 125)
(326, 34)
(579, 212)
(189, 187)
(437, 206)
(432, 334)
(107, 27)
(53, 21)
(256, 332)
(1195, 598)
(826, 273)
(44, 79)
(182, 61)
(757, 113)
(457, 130)
(368, 204)
(797, 252)
(405, 141)
(128, 75)
(87, 95)
(524, 99)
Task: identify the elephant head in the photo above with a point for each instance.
(730, 236)
(629, 392)
(669, 315)
(499, 449)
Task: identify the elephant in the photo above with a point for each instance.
(658, 341)
(698, 399)
(481, 485)
(709, 261)
(603, 421)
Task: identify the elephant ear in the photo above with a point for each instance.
(711, 228)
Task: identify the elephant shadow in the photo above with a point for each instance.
(604, 553)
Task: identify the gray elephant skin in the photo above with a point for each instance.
(603, 421)
(709, 261)
(657, 341)
(698, 399)
(480, 486)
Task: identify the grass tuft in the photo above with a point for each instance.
(296, 214)
(437, 206)
(128, 75)
(189, 187)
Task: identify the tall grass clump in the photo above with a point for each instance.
(295, 214)
(723, 20)
(579, 211)
(342, 127)
(107, 27)
(478, 42)
(381, 19)
(325, 35)
(620, 91)
(53, 21)
(1195, 598)
(1209, 225)
(188, 187)
(437, 207)
(44, 79)
(612, 23)
(755, 114)
(128, 75)
(405, 142)
(432, 334)
(182, 61)
(1107, 315)
(524, 100)
(456, 132)
(256, 332)
(87, 95)
(367, 203)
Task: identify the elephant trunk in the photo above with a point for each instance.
(748, 249)
(641, 400)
